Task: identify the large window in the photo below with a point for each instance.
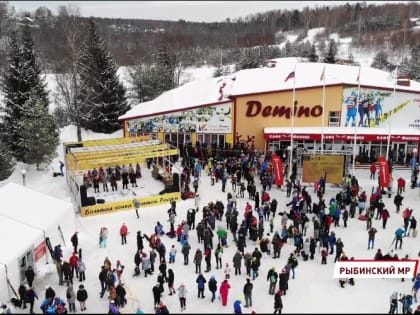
(334, 119)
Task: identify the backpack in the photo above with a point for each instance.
(273, 279)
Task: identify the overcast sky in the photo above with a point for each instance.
(194, 11)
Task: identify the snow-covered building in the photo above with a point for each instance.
(249, 105)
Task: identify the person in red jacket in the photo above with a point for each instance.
(73, 263)
(385, 217)
(372, 171)
(224, 291)
(123, 233)
(401, 185)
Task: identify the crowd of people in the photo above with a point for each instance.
(259, 230)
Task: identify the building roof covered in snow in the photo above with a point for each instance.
(191, 94)
(263, 80)
(38, 210)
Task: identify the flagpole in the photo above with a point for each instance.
(388, 145)
(355, 127)
(323, 112)
(292, 121)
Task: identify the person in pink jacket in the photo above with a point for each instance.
(224, 291)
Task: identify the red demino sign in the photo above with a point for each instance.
(255, 108)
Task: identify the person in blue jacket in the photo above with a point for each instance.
(237, 307)
(399, 233)
(416, 286)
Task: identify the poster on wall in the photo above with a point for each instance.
(317, 166)
(379, 108)
(210, 119)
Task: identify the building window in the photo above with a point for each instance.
(334, 119)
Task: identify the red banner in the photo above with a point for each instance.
(278, 169)
(384, 176)
(40, 250)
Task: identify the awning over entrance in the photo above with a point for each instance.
(342, 134)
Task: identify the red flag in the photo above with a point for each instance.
(384, 176)
(290, 76)
(278, 169)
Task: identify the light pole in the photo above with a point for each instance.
(23, 172)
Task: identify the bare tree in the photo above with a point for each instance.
(68, 80)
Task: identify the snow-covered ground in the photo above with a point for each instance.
(314, 290)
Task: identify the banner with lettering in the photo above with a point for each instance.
(278, 169)
(384, 176)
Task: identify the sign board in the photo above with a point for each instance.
(128, 204)
(317, 166)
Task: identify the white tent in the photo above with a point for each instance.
(53, 217)
(16, 250)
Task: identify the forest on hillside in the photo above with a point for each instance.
(130, 41)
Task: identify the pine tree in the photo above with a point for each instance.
(332, 51)
(415, 63)
(166, 69)
(101, 93)
(24, 88)
(380, 61)
(6, 162)
(313, 57)
(14, 98)
(38, 129)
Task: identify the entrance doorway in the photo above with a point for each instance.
(399, 151)
(25, 261)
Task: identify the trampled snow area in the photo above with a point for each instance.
(314, 290)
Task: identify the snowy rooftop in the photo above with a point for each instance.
(260, 80)
(191, 94)
(30, 206)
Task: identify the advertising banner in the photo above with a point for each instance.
(384, 176)
(317, 166)
(278, 169)
(128, 204)
(40, 250)
(376, 108)
(209, 119)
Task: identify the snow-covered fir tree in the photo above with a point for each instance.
(101, 93)
(23, 87)
(331, 53)
(6, 162)
(37, 127)
(380, 61)
(313, 57)
(410, 66)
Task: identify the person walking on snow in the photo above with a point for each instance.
(399, 233)
(278, 303)
(224, 292)
(123, 233)
(182, 295)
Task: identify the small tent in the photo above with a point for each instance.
(53, 216)
(36, 217)
(17, 252)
